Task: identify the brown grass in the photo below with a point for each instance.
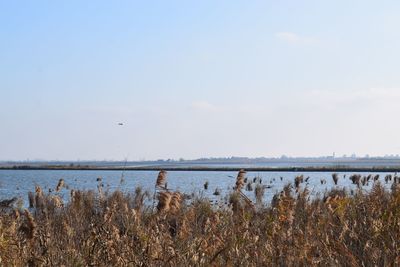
(60, 185)
(335, 178)
(240, 180)
(119, 229)
(161, 179)
(164, 200)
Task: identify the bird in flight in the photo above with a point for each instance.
(120, 123)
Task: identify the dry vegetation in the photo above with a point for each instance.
(116, 229)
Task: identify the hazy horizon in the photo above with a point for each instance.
(277, 158)
(193, 80)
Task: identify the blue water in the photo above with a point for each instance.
(19, 182)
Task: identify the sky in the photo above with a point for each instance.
(192, 79)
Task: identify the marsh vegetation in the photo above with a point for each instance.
(97, 228)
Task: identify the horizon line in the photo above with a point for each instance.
(282, 157)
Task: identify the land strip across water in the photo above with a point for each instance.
(209, 168)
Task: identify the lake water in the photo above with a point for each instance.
(17, 183)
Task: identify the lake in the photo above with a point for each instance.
(17, 183)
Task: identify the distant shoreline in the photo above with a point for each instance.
(204, 168)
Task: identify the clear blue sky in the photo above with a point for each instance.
(198, 79)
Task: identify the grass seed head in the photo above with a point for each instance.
(161, 178)
(60, 185)
(175, 203)
(240, 180)
(335, 178)
(29, 227)
(164, 201)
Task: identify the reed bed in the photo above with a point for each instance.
(119, 229)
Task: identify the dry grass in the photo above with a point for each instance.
(161, 179)
(118, 229)
(60, 185)
(240, 180)
(335, 178)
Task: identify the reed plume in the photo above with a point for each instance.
(56, 201)
(355, 179)
(164, 201)
(29, 226)
(298, 180)
(240, 180)
(335, 178)
(39, 202)
(60, 185)
(175, 203)
(161, 179)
